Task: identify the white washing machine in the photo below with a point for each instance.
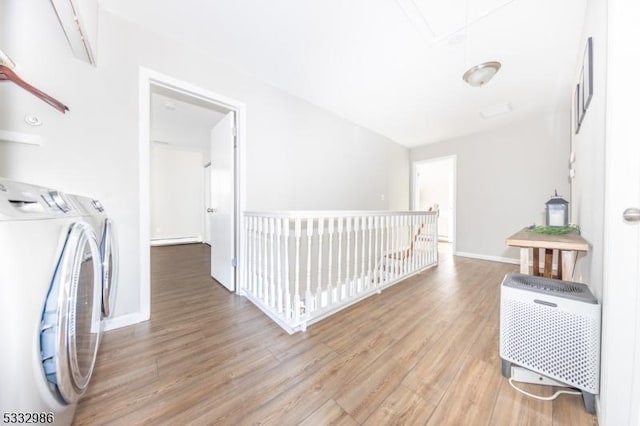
(50, 304)
(105, 231)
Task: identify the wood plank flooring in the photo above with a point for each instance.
(425, 351)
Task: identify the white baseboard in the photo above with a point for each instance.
(174, 241)
(123, 321)
(486, 257)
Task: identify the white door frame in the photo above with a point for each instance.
(414, 189)
(147, 79)
(206, 238)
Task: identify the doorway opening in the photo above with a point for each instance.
(434, 186)
(191, 175)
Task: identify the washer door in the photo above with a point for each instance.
(70, 332)
(109, 255)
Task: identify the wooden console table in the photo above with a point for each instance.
(568, 246)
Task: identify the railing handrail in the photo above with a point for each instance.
(304, 214)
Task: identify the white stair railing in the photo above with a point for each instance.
(299, 267)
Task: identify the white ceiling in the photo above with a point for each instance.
(393, 66)
(180, 120)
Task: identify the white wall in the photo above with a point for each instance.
(177, 193)
(504, 178)
(587, 207)
(298, 155)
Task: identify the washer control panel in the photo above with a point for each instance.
(20, 201)
(59, 201)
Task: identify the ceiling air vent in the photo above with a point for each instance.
(496, 110)
(79, 21)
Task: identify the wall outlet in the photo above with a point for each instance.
(381, 197)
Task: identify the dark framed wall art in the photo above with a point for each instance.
(584, 88)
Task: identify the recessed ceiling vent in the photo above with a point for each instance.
(79, 21)
(496, 110)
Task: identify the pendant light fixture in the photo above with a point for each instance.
(480, 74)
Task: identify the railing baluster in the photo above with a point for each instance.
(279, 263)
(430, 243)
(363, 243)
(318, 297)
(287, 285)
(329, 300)
(415, 235)
(347, 284)
(296, 292)
(426, 240)
(272, 253)
(398, 247)
(338, 288)
(246, 262)
(435, 240)
(307, 294)
(353, 288)
(422, 260)
(259, 270)
(265, 259)
(389, 236)
(256, 252)
(376, 259)
(369, 274)
(406, 237)
(392, 245)
(382, 276)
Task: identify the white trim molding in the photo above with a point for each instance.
(487, 257)
(175, 241)
(123, 321)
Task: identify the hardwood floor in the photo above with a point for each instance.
(425, 351)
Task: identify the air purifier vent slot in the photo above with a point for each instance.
(566, 289)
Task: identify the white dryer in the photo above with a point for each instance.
(105, 231)
(50, 303)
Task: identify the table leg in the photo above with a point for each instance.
(536, 262)
(524, 260)
(568, 263)
(559, 264)
(548, 263)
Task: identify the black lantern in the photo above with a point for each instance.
(557, 211)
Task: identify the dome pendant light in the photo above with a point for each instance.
(480, 74)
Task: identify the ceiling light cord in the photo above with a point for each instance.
(466, 34)
(542, 398)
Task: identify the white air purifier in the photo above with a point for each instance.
(551, 327)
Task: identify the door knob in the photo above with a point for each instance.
(632, 214)
(210, 210)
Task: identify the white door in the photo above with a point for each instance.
(207, 205)
(222, 202)
(620, 388)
